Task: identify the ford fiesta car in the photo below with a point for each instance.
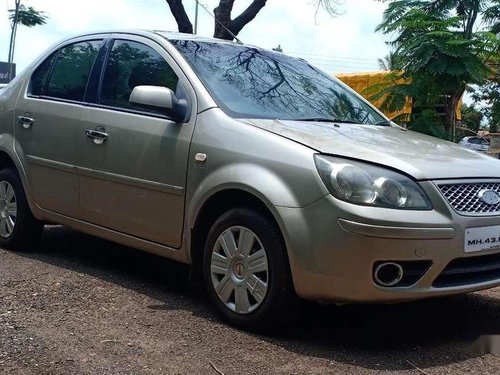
(275, 181)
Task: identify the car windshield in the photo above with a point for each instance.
(248, 82)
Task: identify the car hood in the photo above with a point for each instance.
(418, 155)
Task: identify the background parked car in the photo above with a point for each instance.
(475, 143)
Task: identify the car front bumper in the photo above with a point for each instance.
(334, 247)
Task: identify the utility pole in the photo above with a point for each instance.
(13, 38)
(196, 17)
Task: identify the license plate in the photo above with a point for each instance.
(483, 238)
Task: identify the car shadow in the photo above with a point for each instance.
(421, 334)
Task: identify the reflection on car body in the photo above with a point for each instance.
(475, 143)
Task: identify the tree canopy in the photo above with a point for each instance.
(488, 97)
(441, 47)
(25, 16)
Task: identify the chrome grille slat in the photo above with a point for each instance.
(463, 197)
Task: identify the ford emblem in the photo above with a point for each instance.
(489, 196)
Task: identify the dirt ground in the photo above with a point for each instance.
(81, 305)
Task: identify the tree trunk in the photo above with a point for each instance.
(451, 104)
(12, 43)
(224, 23)
(13, 48)
(471, 20)
(180, 15)
(223, 19)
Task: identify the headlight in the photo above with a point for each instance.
(370, 185)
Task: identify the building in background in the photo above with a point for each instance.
(362, 82)
(4, 72)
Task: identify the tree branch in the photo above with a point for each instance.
(247, 16)
(180, 15)
(470, 24)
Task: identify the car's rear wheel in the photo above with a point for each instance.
(246, 271)
(18, 228)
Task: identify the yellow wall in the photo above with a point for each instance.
(359, 82)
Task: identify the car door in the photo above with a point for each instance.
(49, 118)
(133, 162)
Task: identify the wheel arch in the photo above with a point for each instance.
(212, 208)
(9, 158)
(6, 161)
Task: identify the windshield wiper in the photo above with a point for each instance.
(324, 119)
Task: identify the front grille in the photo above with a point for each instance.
(468, 271)
(465, 200)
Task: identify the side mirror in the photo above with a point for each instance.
(160, 99)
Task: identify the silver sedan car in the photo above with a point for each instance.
(475, 143)
(275, 181)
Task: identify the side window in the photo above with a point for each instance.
(474, 141)
(132, 64)
(484, 141)
(71, 71)
(39, 77)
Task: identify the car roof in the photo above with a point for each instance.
(184, 36)
(169, 35)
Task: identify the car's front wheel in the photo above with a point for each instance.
(246, 271)
(18, 228)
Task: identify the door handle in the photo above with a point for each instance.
(25, 121)
(98, 135)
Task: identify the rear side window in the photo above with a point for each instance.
(71, 70)
(132, 64)
(40, 76)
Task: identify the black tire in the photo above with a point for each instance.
(27, 230)
(280, 304)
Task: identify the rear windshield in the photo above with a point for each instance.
(249, 82)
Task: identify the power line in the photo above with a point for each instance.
(341, 63)
(220, 23)
(333, 57)
(351, 63)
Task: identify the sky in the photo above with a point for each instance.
(345, 43)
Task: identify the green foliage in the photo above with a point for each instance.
(389, 62)
(471, 118)
(441, 51)
(492, 16)
(27, 16)
(488, 96)
(428, 122)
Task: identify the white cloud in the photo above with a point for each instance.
(342, 44)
